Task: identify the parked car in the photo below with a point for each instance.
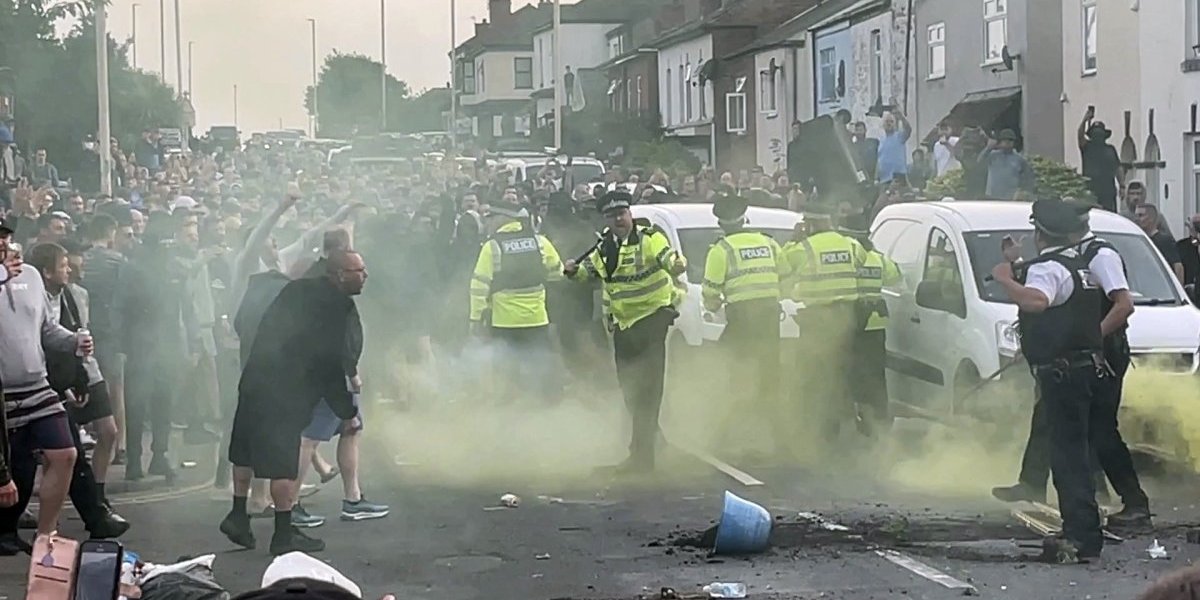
(581, 169)
(951, 326)
(692, 229)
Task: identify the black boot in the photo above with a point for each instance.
(237, 529)
(1018, 493)
(108, 526)
(291, 539)
(1132, 517)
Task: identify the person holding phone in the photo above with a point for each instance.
(1101, 163)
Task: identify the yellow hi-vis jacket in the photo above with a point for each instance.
(521, 307)
(877, 272)
(741, 266)
(825, 267)
(644, 280)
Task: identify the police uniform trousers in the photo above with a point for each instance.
(826, 364)
(641, 358)
(1110, 454)
(751, 346)
(870, 380)
(1070, 395)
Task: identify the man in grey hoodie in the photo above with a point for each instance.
(35, 417)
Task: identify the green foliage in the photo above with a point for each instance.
(55, 82)
(350, 99)
(1052, 180)
(424, 111)
(664, 154)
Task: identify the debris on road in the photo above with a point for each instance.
(822, 522)
(745, 527)
(1156, 550)
(510, 500)
(919, 568)
(542, 556)
(725, 590)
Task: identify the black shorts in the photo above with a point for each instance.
(52, 432)
(270, 446)
(97, 407)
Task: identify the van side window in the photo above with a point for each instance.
(906, 250)
(941, 265)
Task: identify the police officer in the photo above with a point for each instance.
(638, 270)
(743, 271)
(509, 287)
(1107, 271)
(870, 343)
(825, 266)
(1059, 322)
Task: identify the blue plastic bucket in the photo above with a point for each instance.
(745, 527)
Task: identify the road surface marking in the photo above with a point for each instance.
(919, 568)
(741, 476)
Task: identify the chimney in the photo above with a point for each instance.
(499, 10)
(481, 26)
(671, 16)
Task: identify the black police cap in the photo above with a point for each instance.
(1057, 218)
(614, 200)
(730, 208)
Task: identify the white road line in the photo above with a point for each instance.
(919, 568)
(741, 476)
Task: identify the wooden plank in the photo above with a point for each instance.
(739, 475)
(919, 568)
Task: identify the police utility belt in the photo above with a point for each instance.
(1060, 367)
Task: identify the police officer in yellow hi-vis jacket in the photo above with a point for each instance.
(638, 270)
(743, 271)
(508, 300)
(870, 344)
(826, 265)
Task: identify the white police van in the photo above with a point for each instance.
(951, 326)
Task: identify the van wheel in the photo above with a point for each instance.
(965, 380)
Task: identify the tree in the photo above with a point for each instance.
(350, 100)
(1052, 179)
(423, 112)
(55, 82)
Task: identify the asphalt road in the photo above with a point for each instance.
(608, 538)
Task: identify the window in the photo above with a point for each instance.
(541, 52)
(1193, 29)
(523, 73)
(937, 50)
(480, 76)
(995, 29)
(468, 74)
(827, 59)
(615, 46)
(768, 91)
(497, 126)
(638, 100)
(735, 113)
(941, 270)
(670, 117)
(877, 65)
(1089, 36)
(685, 88)
(1194, 146)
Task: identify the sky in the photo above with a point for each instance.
(264, 47)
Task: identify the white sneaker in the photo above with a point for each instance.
(86, 439)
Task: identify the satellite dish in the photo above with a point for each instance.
(1008, 58)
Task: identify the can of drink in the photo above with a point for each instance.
(82, 336)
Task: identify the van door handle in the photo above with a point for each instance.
(915, 319)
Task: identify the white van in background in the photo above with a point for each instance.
(940, 348)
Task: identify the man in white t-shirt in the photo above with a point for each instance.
(944, 160)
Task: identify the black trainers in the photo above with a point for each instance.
(110, 526)
(294, 540)
(159, 465)
(237, 529)
(12, 545)
(1131, 517)
(1018, 493)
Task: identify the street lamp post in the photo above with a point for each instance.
(178, 55)
(189, 81)
(104, 147)
(453, 76)
(235, 107)
(316, 108)
(133, 36)
(162, 40)
(383, 65)
(558, 76)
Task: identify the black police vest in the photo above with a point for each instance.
(1116, 344)
(521, 265)
(1069, 329)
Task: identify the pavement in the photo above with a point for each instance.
(580, 533)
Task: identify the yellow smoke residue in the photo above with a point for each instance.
(1162, 409)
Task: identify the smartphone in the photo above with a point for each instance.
(98, 574)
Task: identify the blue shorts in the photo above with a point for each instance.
(325, 425)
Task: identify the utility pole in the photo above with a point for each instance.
(134, 44)
(453, 76)
(189, 88)
(103, 145)
(315, 105)
(383, 64)
(558, 77)
(178, 55)
(235, 108)
(162, 40)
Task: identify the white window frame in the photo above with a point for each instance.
(628, 95)
(518, 60)
(768, 92)
(469, 86)
(639, 96)
(669, 117)
(1090, 35)
(735, 106)
(1192, 150)
(498, 126)
(994, 11)
(685, 88)
(876, 49)
(1192, 10)
(828, 93)
(936, 40)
